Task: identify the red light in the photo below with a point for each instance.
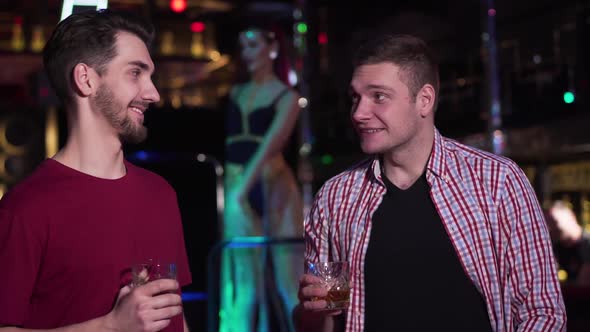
(299, 64)
(491, 12)
(322, 38)
(18, 20)
(197, 27)
(178, 6)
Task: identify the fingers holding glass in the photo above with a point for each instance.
(333, 278)
(152, 270)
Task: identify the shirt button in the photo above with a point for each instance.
(358, 314)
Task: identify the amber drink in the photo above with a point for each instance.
(334, 277)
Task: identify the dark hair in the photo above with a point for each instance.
(417, 64)
(88, 37)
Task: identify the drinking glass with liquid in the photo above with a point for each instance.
(335, 278)
(152, 270)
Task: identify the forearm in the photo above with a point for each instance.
(94, 325)
(269, 147)
(252, 169)
(274, 140)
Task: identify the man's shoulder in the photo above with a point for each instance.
(36, 188)
(148, 178)
(353, 174)
(476, 156)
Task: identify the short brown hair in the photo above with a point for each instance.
(417, 64)
(88, 37)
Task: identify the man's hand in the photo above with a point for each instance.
(311, 313)
(311, 294)
(147, 308)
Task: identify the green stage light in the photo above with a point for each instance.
(327, 159)
(569, 97)
(301, 27)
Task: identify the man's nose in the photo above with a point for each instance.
(361, 110)
(151, 93)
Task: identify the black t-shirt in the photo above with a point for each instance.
(413, 278)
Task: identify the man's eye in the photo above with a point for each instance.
(379, 97)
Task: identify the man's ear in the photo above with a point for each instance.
(425, 100)
(85, 79)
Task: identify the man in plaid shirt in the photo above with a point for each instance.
(439, 236)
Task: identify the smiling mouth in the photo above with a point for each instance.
(369, 131)
(136, 110)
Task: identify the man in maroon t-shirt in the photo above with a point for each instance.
(70, 232)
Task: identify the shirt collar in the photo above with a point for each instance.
(436, 163)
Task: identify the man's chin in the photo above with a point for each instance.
(135, 137)
(370, 150)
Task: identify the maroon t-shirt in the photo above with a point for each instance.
(68, 240)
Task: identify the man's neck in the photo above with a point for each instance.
(407, 163)
(93, 150)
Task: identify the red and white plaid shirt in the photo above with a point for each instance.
(489, 211)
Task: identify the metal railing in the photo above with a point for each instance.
(213, 272)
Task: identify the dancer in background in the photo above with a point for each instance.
(262, 196)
